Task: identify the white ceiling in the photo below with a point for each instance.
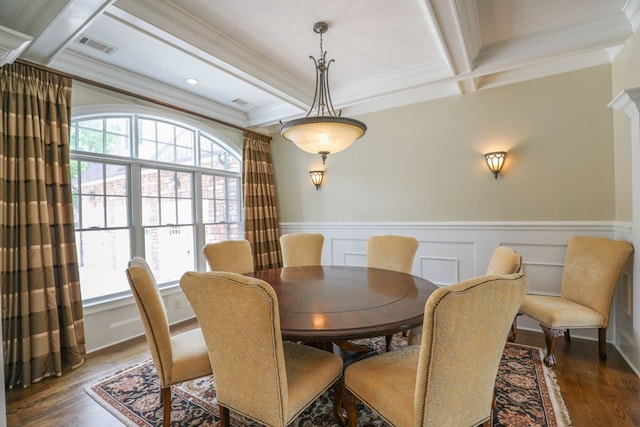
(256, 52)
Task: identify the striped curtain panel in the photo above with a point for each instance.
(42, 325)
(261, 222)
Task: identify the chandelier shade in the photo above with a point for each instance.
(323, 134)
(327, 132)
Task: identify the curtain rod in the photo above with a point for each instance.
(138, 96)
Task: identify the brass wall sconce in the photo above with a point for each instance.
(495, 161)
(316, 178)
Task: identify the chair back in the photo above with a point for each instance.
(235, 256)
(591, 269)
(240, 322)
(504, 260)
(301, 249)
(154, 316)
(464, 334)
(391, 252)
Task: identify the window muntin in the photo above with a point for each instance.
(146, 201)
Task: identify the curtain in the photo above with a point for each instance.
(261, 220)
(42, 324)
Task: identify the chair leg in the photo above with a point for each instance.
(550, 339)
(602, 343)
(514, 329)
(567, 335)
(388, 340)
(350, 405)
(165, 398)
(224, 416)
(338, 393)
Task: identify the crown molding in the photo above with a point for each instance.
(627, 101)
(12, 44)
(583, 36)
(632, 10)
(134, 83)
(186, 32)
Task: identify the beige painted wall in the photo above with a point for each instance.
(424, 162)
(625, 74)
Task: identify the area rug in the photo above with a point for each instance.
(526, 395)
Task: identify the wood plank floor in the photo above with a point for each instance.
(596, 393)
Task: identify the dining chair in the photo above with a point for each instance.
(257, 374)
(591, 269)
(300, 249)
(391, 252)
(449, 379)
(178, 357)
(230, 255)
(504, 260)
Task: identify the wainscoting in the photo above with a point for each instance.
(448, 253)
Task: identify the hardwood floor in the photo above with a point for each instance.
(596, 393)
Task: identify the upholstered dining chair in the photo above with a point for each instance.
(391, 252)
(257, 374)
(449, 379)
(177, 358)
(230, 255)
(301, 249)
(504, 260)
(591, 269)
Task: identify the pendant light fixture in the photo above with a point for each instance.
(326, 132)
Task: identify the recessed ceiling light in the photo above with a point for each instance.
(192, 81)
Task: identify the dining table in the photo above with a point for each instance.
(336, 304)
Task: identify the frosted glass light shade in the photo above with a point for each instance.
(323, 134)
(495, 161)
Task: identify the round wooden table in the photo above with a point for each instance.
(338, 303)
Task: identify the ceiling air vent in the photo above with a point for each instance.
(96, 44)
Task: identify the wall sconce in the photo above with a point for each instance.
(495, 161)
(316, 178)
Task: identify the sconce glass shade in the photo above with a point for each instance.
(495, 161)
(316, 178)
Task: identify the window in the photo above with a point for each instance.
(152, 188)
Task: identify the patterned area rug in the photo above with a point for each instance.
(526, 395)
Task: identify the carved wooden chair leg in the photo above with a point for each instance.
(550, 338)
(224, 416)
(165, 399)
(567, 335)
(602, 343)
(350, 405)
(338, 393)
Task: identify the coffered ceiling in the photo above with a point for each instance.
(251, 57)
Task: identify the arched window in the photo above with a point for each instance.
(149, 187)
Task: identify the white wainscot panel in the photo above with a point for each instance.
(347, 252)
(445, 263)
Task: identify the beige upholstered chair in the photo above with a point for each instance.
(504, 260)
(230, 255)
(301, 249)
(177, 358)
(391, 252)
(257, 373)
(589, 276)
(449, 379)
